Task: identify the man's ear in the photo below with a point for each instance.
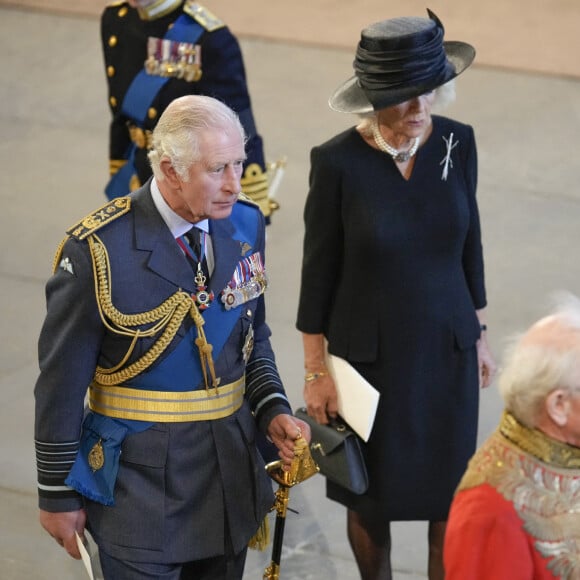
(170, 174)
(557, 406)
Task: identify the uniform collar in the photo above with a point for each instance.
(158, 9)
(177, 225)
(538, 444)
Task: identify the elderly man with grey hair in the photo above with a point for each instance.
(156, 309)
(516, 513)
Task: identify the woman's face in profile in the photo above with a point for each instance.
(410, 118)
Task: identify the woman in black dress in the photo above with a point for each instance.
(393, 282)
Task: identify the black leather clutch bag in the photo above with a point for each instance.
(337, 451)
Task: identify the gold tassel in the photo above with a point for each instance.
(261, 539)
(205, 350)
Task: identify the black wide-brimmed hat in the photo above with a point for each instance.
(399, 59)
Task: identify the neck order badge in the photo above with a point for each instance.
(193, 244)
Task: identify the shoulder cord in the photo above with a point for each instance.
(166, 317)
(58, 254)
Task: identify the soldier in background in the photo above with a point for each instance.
(155, 51)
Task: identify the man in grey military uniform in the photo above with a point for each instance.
(164, 325)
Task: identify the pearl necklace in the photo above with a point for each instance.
(398, 156)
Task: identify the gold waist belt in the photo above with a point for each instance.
(164, 406)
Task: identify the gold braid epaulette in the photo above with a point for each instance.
(101, 217)
(165, 319)
(104, 215)
(203, 16)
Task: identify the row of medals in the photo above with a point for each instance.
(168, 58)
(231, 297)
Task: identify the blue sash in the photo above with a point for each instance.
(182, 368)
(119, 183)
(108, 434)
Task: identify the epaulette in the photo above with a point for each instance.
(103, 216)
(203, 16)
(243, 197)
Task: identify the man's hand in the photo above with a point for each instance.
(62, 527)
(283, 430)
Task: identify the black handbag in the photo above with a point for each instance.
(337, 451)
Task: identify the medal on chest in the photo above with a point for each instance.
(194, 245)
(203, 296)
(248, 282)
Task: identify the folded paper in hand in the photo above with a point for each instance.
(357, 398)
(90, 556)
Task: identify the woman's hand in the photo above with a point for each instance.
(486, 362)
(321, 398)
(319, 389)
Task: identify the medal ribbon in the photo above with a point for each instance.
(246, 268)
(189, 251)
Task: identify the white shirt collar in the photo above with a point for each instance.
(176, 224)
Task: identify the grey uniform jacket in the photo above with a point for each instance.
(184, 491)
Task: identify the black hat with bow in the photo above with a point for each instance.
(399, 59)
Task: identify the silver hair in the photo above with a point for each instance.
(534, 369)
(444, 96)
(176, 135)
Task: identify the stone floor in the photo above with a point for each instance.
(531, 35)
(53, 153)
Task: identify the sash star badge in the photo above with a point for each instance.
(96, 456)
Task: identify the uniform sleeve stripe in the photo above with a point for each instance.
(53, 463)
(54, 488)
(263, 385)
(269, 398)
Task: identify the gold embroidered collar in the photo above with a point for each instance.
(538, 444)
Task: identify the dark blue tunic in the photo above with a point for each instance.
(124, 38)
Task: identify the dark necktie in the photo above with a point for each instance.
(194, 238)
